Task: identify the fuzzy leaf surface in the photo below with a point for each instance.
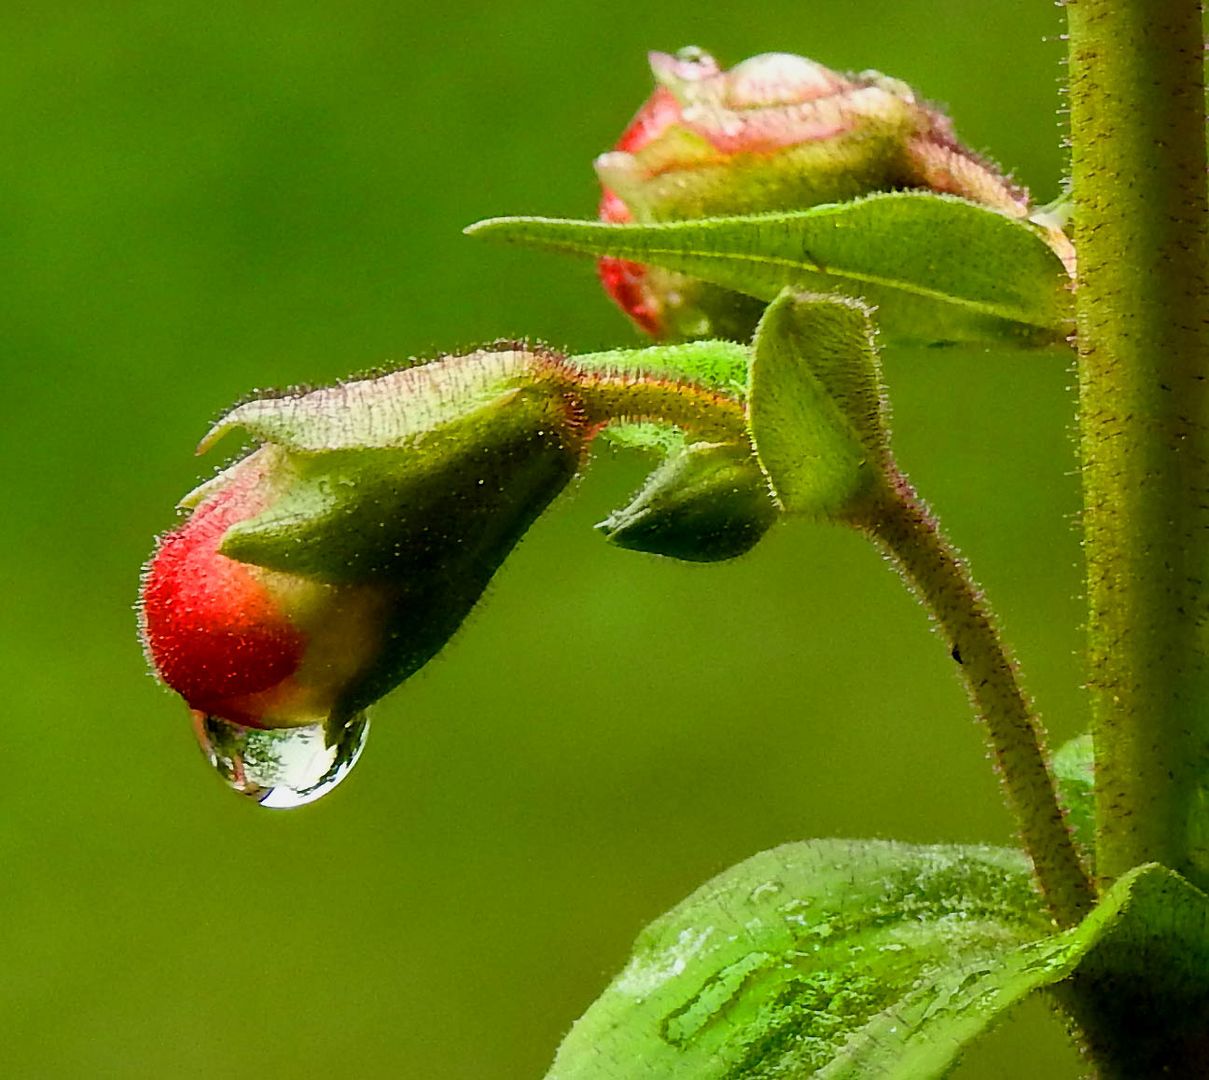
(396, 410)
(938, 268)
(1144, 947)
(815, 401)
(847, 960)
(774, 966)
(717, 365)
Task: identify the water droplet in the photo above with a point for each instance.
(282, 767)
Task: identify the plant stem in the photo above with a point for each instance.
(1138, 168)
(609, 396)
(896, 519)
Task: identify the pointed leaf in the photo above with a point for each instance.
(848, 960)
(769, 969)
(938, 268)
(815, 402)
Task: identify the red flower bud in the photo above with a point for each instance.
(337, 558)
(777, 132)
(254, 646)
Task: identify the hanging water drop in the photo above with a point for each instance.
(282, 767)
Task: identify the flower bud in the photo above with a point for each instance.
(705, 503)
(777, 132)
(339, 556)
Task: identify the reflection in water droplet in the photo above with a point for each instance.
(282, 767)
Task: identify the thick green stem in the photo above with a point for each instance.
(900, 524)
(1138, 168)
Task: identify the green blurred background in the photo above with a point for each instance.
(198, 199)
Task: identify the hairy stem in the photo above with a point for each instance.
(609, 396)
(895, 518)
(1138, 167)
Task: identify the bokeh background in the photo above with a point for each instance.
(202, 198)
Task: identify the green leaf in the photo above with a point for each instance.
(815, 402)
(1074, 770)
(770, 969)
(1138, 965)
(848, 960)
(938, 268)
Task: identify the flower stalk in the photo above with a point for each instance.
(897, 521)
(606, 397)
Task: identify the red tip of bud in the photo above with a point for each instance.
(212, 629)
(660, 112)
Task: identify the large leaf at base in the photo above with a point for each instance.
(939, 269)
(848, 960)
(773, 966)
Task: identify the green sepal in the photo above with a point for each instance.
(939, 269)
(682, 175)
(429, 529)
(416, 485)
(455, 499)
(815, 402)
(705, 503)
(396, 409)
(773, 966)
